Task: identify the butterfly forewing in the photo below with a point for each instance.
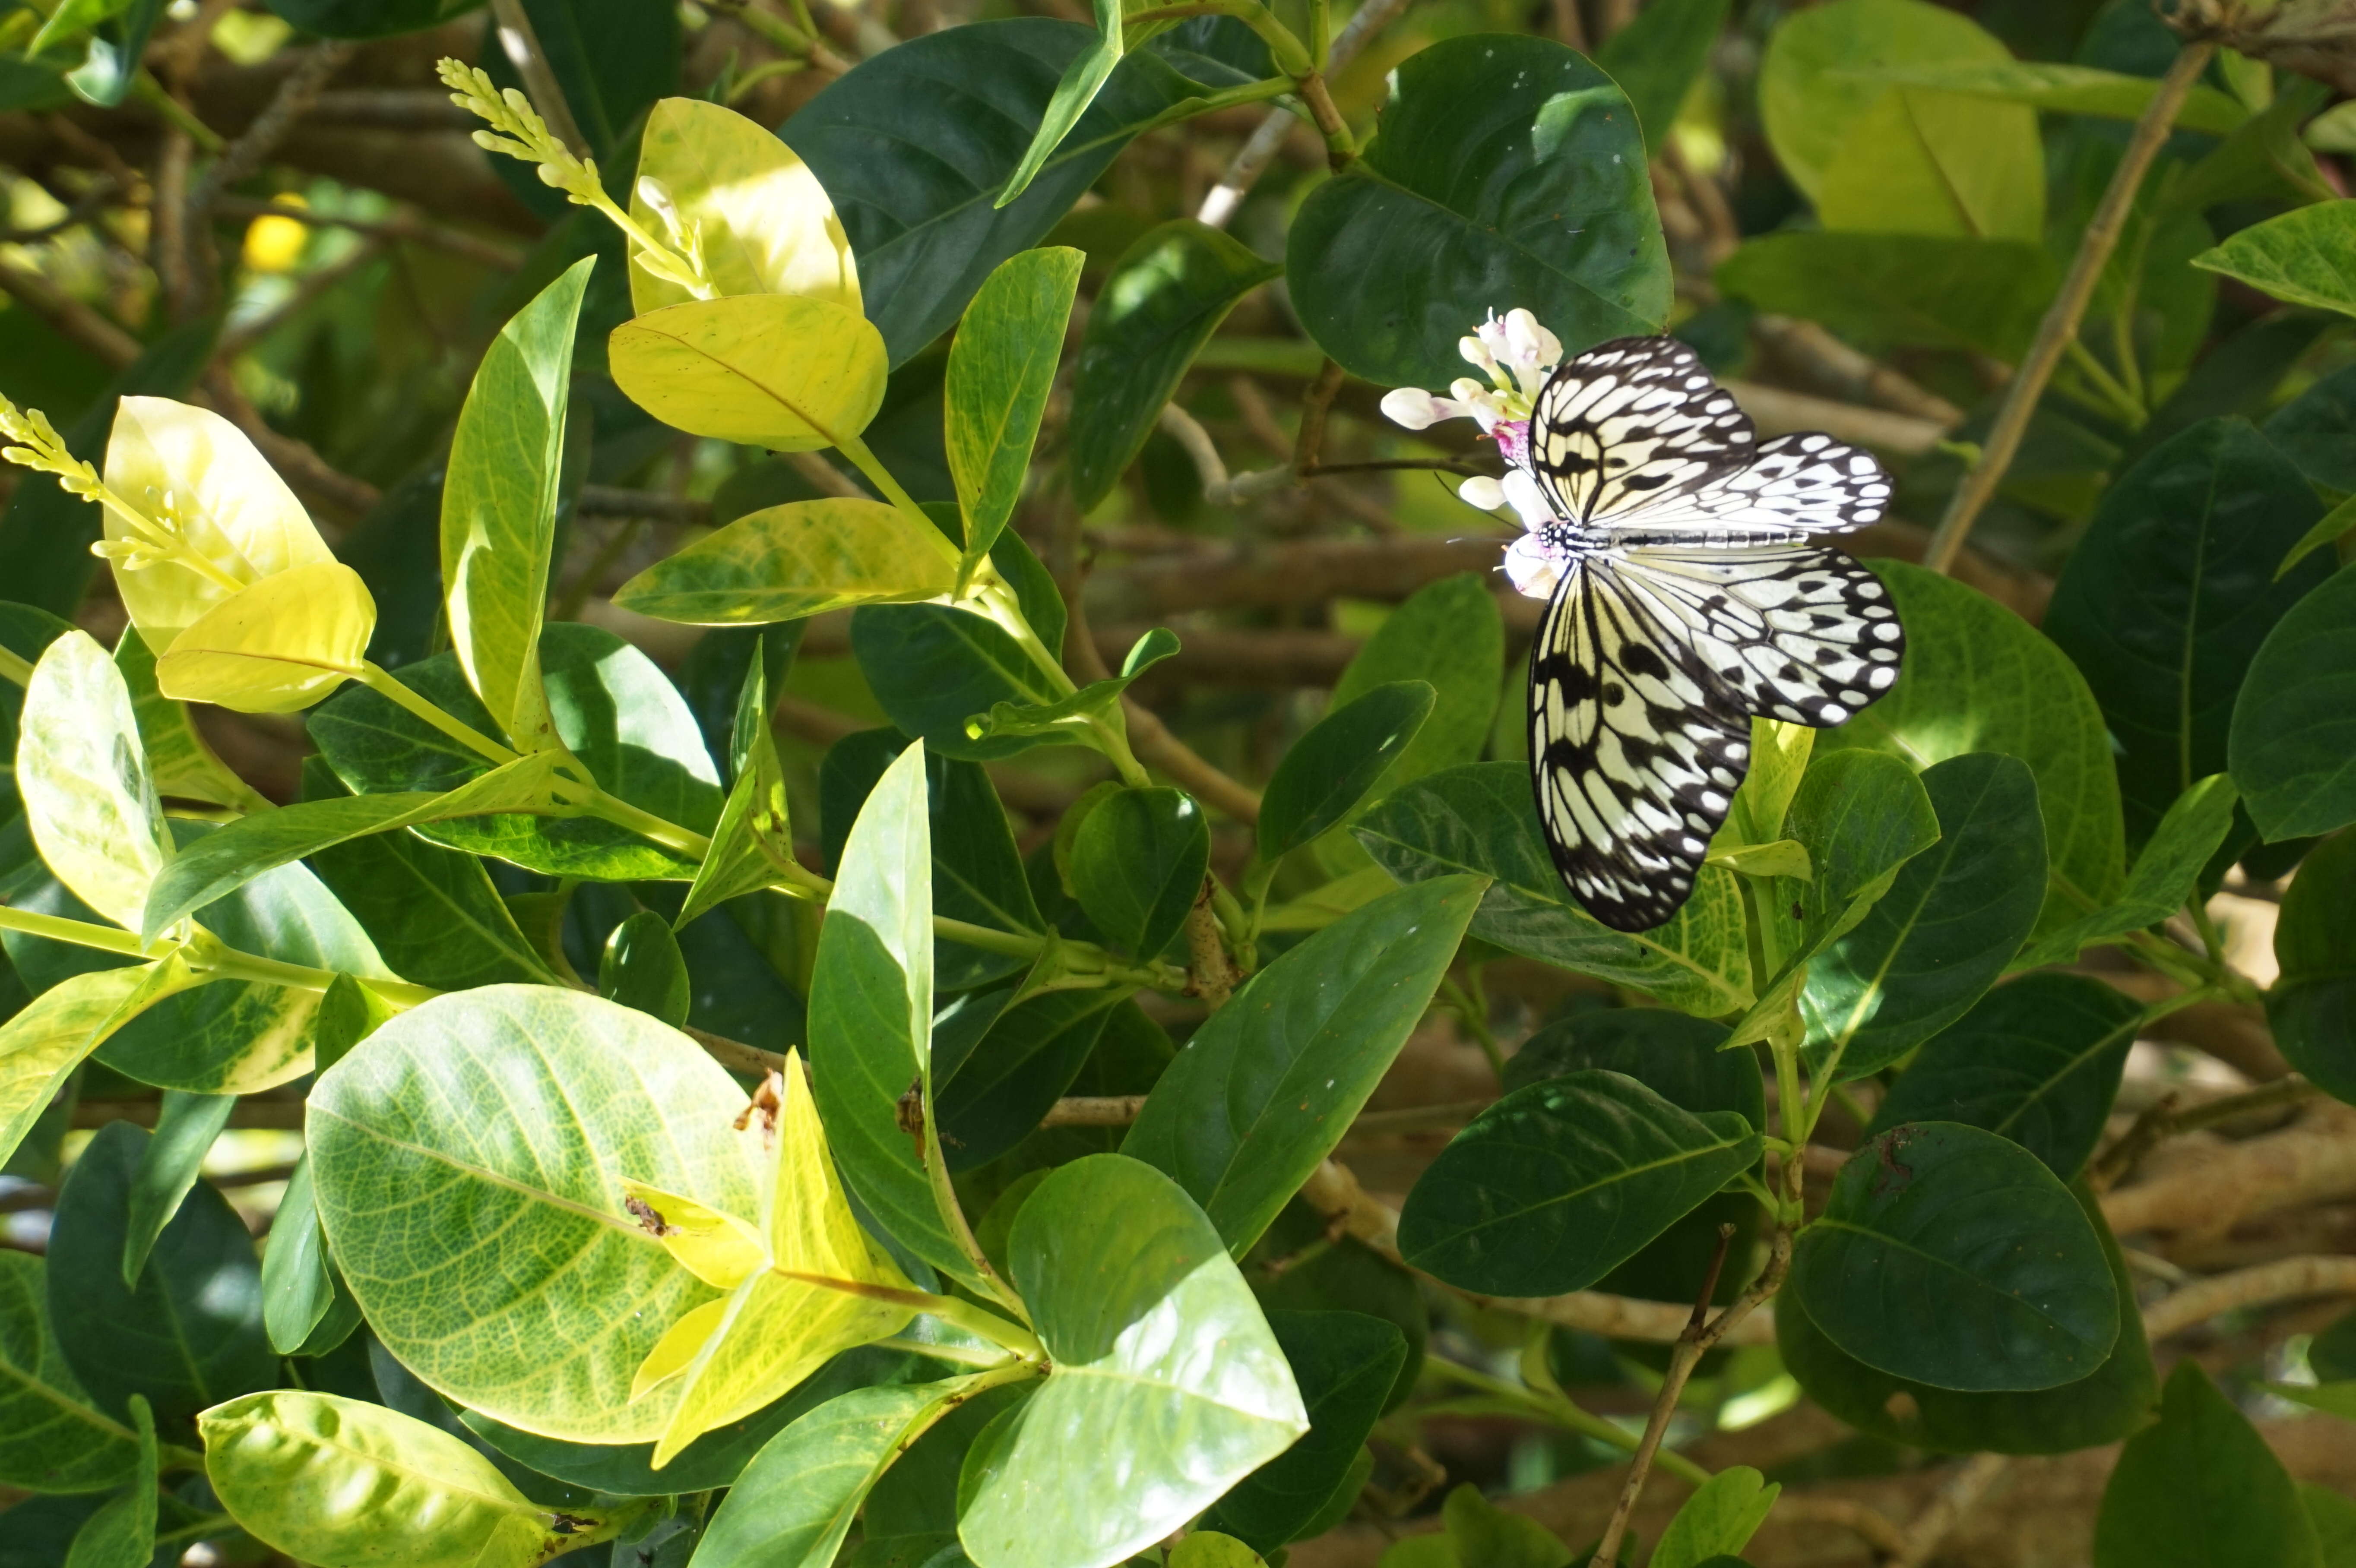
(1630, 425)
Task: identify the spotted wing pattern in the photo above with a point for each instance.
(1794, 485)
(1632, 425)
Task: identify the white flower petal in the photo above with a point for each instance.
(1522, 492)
(1412, 407)
(1483, 492)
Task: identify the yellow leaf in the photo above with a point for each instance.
(771, 371)
(782, 564)
(767, 227)
(783, 1323)
(678, 1348)
(718, 1249)
(194, 470)
(281, 644)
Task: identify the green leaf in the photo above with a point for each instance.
(784, 562)
(1066, 717)
(2063, 90)
(115, 47)
(52, 1439)
(2166, 599)
(1674, 1055)
(1480, 1535)
(1950, 1256)
(2300, 258)
(2312, 429)
(2331, 1399)
(179, 759)
(2202, 1486)
(1166, 295)
(88, 798)
(999, 1065)
(1950, 923)
(615, 712)
(1899, 291)
(1509, 171)
(408, 1174)
(2335, 526)
(642, 968)
(498, 506)
(2161, 879)
(2334, 1517)
(1450, 635)
(122, 1533)
(1331, 768)
(932, 667)
(1137, 865)
(1075, 91)
(2118, 1397)
(1138, 1428)
(1557, 1184)
(1718, 1521)
(915, 144)
(2290, 743)
(329, 1479)
(189, 1334)
(795, 1501)
(186, 1126)
(753, 842)
(2313, 1005)
(1270, 1082)
(1892, 159)
(1205, 1548)
(871, 1013)
(71, 18)
(1344, 1363)
(299, 1283)
(2037, 1060)
(1479, 819)
(1979, 678)
(782, 371)
(1658, 56)
(1000, 368)
(47, 1038)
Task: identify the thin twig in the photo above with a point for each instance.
(1309, 440)
(314, 286)
(296, 460)
(1244, 169)
(245, 156)
(401, 227)
(521, 45)
(2059, 328)
(2285, 1279)
(2164, 1119)
(72, 319)
(1945, 1510)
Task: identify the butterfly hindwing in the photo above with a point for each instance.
(1630, 425)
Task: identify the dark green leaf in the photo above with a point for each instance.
(1899, 291)
(2294, 729)
(2037, 1060)
(186, 1126)
(932, 667)
(368, 18)
(1657, 59)
(1268, 1086)
(1950, 1256)
(1329, 769)
(1556, 1184)
(122, 1533)
(642, 968)
(1449, 634)
(1293, 1269)
(1479, 819)
(298, 1281)
(2313, 1006)
(189, 1334)
(2317, 430)
(915, 144)
(996, 1070)
(1949, 924)
(2334, 1516)
(1674, 1054)
(52, 1439)
(2165, 602)
(1067, 716)
(2103, 1406)
(1001, 368)
(2162, 879)
(1137, 865)
(2202, 1487)
(1167, 294)
(1345, 1363)
(1509, 170)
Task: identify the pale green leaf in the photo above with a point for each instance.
(88, 798)
(784, 562)
(772, 370)
(279, 645)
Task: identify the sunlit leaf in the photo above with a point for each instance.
(772, 370)
(784, 562)
(88, 798)
(765, 221)
(279, 645)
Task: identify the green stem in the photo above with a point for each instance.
(2122, 402)
(983, 1324)
(150, 91)
(84, 933)
(1800, 1112)
(646, 823)
(383, 682)
(14, 666)
(1232, 98)
(1563, 1413)
(231, 964)
(964, 1356)
(891, 490)
(1474, 1015)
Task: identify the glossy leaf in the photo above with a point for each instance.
(122, 1533)
(1000, 368)
(299, 1283)
(1138, 865)
(993, 1088)
(1979, 678)
(752, 841)
(1478, 819)
(88, 798)
(1558, 1183)
(498, 506)
(642, 968)
(52, 1438)
(1674, 1054)
(406, 1171)
(279, 645)
(1168, 1387)
(2114, 1400)
(1345, 1363)
(1950, 1256)
(2162, 879)
(329, 1479)
(186, 1126)
(933, 668)
(1328, 771)
(924, 227)
(1899, 291)
(2200, 1486)
(180, 759)
(775, 370)
(1947, 928)
(1269, 1084)
(1448, 634)
(2168, 598)
(797, 1500)
(189, 1334)
(1510, 173)
(1167, 294)
(1718, 1521)
(2313, 1006)
(785, 562)
(2290, 743)
(48, 1038)
(2300, 258)
(765, 223)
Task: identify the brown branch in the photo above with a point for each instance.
(1156, 747)
(1954, 1499)
(2167, 1119)
(2311, 1161)
(1309, 441)
(2285, 1279)
(512, 24)
(1094, 1111)
(114, 347)
(244, 158)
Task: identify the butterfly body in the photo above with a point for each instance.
(1682, 599)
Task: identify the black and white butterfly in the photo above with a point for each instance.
(1685, 598)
